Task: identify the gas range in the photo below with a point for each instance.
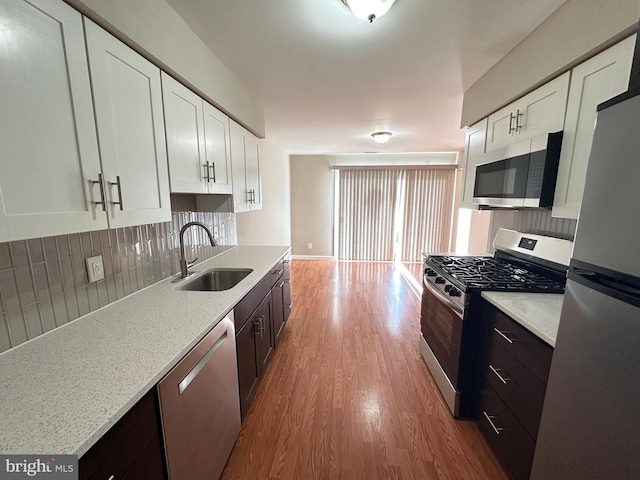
(489, 273)
(451, 303)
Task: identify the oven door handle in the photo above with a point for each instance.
(443, 298)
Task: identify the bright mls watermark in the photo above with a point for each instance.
(50, 467)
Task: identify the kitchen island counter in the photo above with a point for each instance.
(537, 312)
(62, 391)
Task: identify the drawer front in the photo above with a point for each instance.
(507, 437)
(123, 444)
(519, 342)
(245, 307)
(276, 272)
(522, 391)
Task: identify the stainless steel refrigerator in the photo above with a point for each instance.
(590, 427)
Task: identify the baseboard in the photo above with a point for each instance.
(312, 257)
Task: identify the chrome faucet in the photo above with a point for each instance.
(184, 264)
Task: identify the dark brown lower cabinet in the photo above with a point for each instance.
(516, 364)
(278, 310)
(507, 437)
(248, 367)
(258, 332)
(264, 332)
(254, 347)
(132, 449)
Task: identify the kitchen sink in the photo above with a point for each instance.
(216, 280)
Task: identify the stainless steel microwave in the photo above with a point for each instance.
(522, 175)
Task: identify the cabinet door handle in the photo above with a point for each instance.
(258, 323)
(102, 195)
(504, 335)
(213, 167)
(207, 174)
(489, 417)
(287, 280)
(280, 285)
(112, 477)
(502, 379)
(278, 272)
(290, 305)
(519, 115)
(118, 184)
(511, 127)
(190, 377)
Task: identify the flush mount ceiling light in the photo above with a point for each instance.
(381, 137)
(369, 9)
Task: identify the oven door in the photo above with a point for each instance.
(441, 324)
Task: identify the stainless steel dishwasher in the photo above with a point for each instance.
(200, 406)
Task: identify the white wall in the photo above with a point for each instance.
(155, 30)
(272, 224)
(312, 192)
(577, 30)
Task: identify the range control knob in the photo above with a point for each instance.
(440, 280)
(454, 292)
(447, 288)
(430, 272)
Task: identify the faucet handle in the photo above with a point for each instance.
(192, 262)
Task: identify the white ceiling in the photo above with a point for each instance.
(328, 80)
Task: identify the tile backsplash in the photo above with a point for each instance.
(536, 220)
(43, 281)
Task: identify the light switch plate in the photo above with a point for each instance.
(95, 268)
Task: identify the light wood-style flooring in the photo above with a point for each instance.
(347, 395)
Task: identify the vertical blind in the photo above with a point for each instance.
(427, 212)
(394, 212)
(367, 214)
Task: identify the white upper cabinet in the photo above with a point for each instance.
(184, 122)
(48, 146)
(592, 82)
(197, 141)
(474, 146)
(217, 149)
(539, 112)
(129, 117)
(245, 162)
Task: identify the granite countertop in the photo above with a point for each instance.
(62, 391)
(537, 312)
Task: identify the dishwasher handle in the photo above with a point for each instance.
(190, 377)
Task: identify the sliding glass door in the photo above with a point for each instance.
(393, 213)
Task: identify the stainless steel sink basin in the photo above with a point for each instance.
(216, 280)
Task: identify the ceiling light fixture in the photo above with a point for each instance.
(381, 137)
(369, 9)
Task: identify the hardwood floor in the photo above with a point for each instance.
(347, 395)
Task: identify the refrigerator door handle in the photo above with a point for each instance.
(607, 285)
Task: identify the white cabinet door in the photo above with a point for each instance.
(48, 145)
(217, 149)
(543, 110)
(238, 154)
(474, 145)
(183, 117)
(254, 180)
(592, 82)
(245, 161)
(128, 105)
(539, 112)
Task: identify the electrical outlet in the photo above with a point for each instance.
(309, 245)
(95, 268)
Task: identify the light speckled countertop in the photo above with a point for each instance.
(64, 390)
(537, 312)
